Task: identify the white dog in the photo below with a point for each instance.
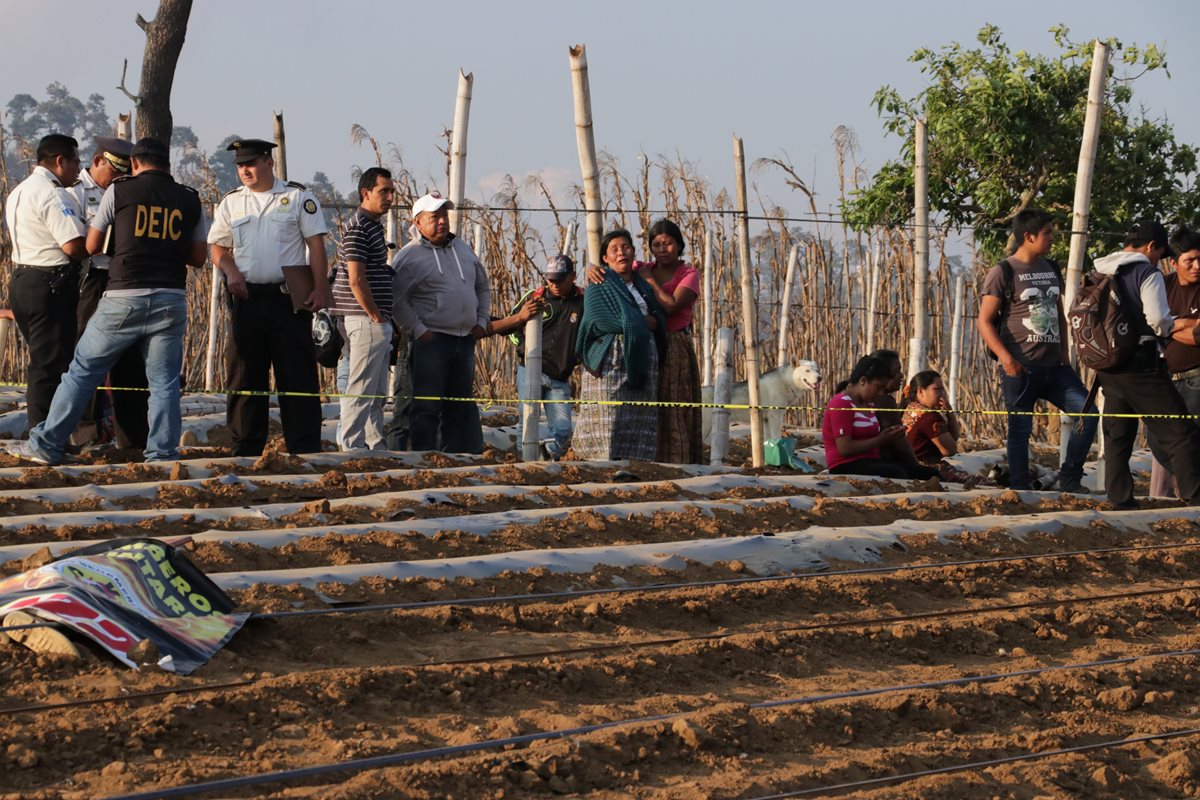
(779, 387)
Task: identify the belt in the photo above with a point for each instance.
(41, 268)
(266, 288)
(1183, 376)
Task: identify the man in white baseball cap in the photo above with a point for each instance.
(443, 302)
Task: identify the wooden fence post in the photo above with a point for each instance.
(585, 138)
(706, 328)
(280, 148)
(458, 149)
(749, 306)
(785, 309)
(722, 391)
(918, 347)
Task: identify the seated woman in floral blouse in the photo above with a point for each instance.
(932, 428)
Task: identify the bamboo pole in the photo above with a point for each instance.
(785, 309)
(918, 348)
(280, 148)
(874, 261)
(1081, 208)
(710, 266)
(214, 307)
(123, 124)
(479, 240)
(1082, 205)
(749, 307)
(531, 391)
(722, 391)
(956, 336)
(585, 138)
(458, 149)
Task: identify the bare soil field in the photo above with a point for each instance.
(616, 631)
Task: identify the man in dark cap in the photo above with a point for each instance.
(258, 229)
(157, 231)
(1141, 386)
(109, 162)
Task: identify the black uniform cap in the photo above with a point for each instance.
(149, 146)
(115, 151)
(246, 150)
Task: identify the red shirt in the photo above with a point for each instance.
(840, 420)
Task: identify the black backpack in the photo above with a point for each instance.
(1101, 323)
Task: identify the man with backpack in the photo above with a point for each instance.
(1021, 320)
(1140, 385)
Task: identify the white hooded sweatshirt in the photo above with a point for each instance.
(1151, 289)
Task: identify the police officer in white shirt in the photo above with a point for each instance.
(259, 228)
(47, 229)
(110, 161)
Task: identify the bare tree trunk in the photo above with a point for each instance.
(164, 41)
(722, 389)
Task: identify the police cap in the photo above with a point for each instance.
(115, 151)
(246, 150)
(149, 146)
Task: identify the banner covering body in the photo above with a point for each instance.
(120, 592)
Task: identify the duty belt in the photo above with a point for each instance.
(1183, 376)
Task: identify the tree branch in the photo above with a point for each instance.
(141, 23)
(124, 69)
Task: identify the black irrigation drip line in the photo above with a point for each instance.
(589, 593)
(395, 759)
(978, 765)
(535, 597)
(811, 627)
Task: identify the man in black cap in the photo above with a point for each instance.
(560, 303)
(259, 228)
(1141, 386)
(109, 162)
(157, 230)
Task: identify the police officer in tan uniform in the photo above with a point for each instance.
(259, 228)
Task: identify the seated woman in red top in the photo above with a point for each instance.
(932, 428)
(851, 432)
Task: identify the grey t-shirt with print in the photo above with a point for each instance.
(1029, 326)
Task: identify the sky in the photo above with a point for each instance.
(672, 78)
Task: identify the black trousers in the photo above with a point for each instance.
(885, 468)
(267, 335)
(44, 304)
(130, 409)
(1143, 387)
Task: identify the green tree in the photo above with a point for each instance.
(1004, 134)
(29, 119)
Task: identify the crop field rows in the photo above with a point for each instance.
(441, 626)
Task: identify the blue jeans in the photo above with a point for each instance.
(154, 324)
(444, 367)
(558, 415)
(1061, 386)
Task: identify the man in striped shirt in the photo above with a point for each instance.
(362, 298)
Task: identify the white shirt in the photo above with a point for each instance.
(637, 298)
(42, 216)
(89, 194)
(263, 241)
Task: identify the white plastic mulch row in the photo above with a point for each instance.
(764, 555)
(482, 524)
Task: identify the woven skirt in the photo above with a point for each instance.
(680, 434)
(607, 432)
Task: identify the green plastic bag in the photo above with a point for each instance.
(779, 453)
